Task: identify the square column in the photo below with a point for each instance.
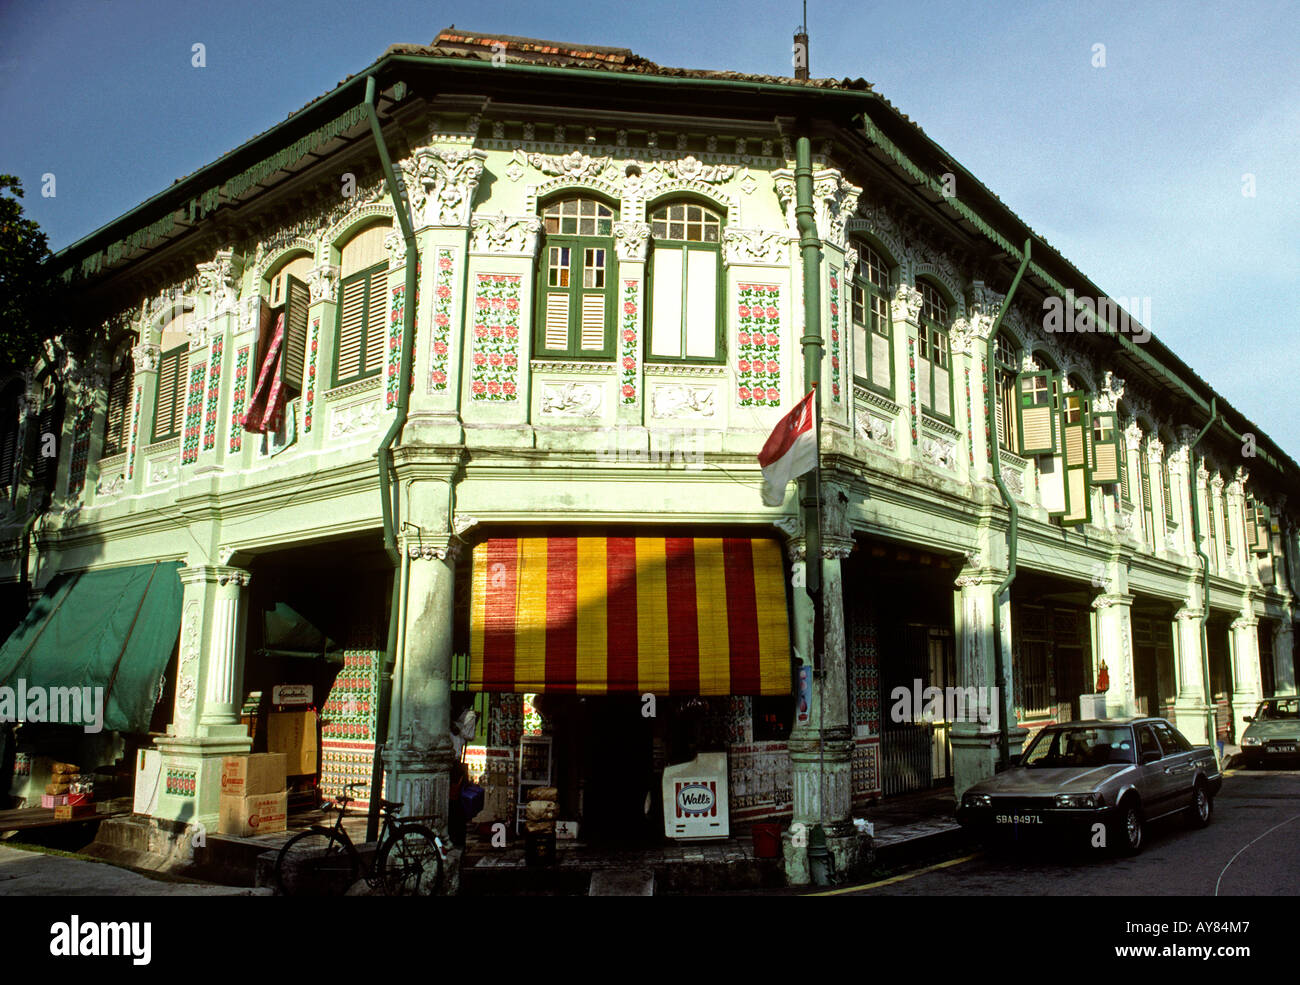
(1284, 670)
(210, 672)
(417, 755)
(1190, 706)
(820, 742)
(1247, 686)
(1115, 647)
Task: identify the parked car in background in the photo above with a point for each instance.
(1273, 734)
(1097, 782)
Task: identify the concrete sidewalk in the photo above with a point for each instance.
(28, 873)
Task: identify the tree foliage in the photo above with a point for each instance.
(29, 296)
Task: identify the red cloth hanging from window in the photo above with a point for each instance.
(266, 406)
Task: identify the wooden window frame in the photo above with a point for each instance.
(578, 244)
(870, 320)
(687, 247)
(1005, 395)
(932, 336)
(364, 371)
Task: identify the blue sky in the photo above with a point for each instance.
(1133, 171)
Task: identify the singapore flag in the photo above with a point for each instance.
(791, 450)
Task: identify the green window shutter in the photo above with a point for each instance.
(1264, 529)
(362, 325)
(293, 359)
(1252, 526)
(1107, 449)
(169, 408)
(1076, 429)
(376, 320)
(1037, 423)
(575, 296)
(119, 401)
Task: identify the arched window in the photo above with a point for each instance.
(1148, 490)
(933, 373)
(44, 443)
(287, 294)
(576, 283)
(122, 373)
(873, 364)
(173, 376)
(1006, 366)
(685, 276)
(363, 305)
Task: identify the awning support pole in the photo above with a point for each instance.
(1205, 576)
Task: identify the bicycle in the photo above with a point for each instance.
(323, 861)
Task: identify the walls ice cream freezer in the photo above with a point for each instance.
(695, 798)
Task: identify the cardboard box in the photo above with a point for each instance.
(70, 812)
(257, 814)
(294, 733)
(255, 773)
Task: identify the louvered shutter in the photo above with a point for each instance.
(1107, 452)
(42, 466)
(593, 322)
(352, 328)
(8, 446)
(119, 398)
(293, 361)
(169, 408)
(376, 320)
(1264, 529)
(557, 321)
(1075, 431)
(1037, 423)
(1252, 527)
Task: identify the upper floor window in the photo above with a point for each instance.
(48, 422)
(1164, 482)
(173, 379)
(685, 277)
(289, 296)
(363, 306)
(118, 411)
(1006, 366)
(577, 279)
(9, 427)
(933, 375)
(872, 353)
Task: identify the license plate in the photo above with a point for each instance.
(1289, 747)
(1018, 819)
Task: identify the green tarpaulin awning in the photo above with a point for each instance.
(113, 628)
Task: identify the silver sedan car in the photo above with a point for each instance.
(1103, 779)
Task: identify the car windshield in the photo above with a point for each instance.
(1080, 745)
(1278, 709)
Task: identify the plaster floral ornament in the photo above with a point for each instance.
(443, 293)
(494, 373)
(691, 169)
(628, 341)
(758, 345)
(572, 165)
(441, 184)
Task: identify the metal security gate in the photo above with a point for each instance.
(915, 754)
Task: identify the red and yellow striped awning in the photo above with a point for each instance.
(659, 615)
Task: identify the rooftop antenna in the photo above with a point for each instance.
(800, 58)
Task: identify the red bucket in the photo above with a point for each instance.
(767, 840)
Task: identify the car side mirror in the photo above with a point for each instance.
(1150, 757)
(1248, 718)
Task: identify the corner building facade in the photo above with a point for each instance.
(609, 311)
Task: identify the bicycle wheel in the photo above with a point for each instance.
(315, 863)
(411, 864)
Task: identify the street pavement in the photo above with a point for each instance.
(1251, 848)
(27, 873)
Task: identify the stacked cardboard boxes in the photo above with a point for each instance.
(539, 826)
(253, 796)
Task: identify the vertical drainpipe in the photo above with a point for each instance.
(1013, 525)
(387, 488)
(810, 483)
(1205, 575)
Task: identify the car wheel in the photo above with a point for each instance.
(1202, 806)
(1126, 830)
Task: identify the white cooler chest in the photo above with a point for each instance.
(695, 798)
